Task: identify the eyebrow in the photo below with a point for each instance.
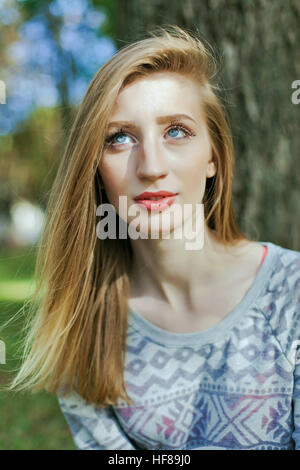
(159, 120)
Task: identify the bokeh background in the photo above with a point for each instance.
(49, 52)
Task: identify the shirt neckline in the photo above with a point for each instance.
(170, 339)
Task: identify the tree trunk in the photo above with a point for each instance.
(258, 43)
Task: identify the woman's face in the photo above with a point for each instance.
(157, 149)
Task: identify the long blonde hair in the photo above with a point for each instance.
(77, 325)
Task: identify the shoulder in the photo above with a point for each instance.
(280, 302)
(285, 270)
(286, 254)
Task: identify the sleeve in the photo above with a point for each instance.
(293, 349)
(296, 405)
(295, 355)
(283, 313)
(92, 427)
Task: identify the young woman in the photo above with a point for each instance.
(148, 344)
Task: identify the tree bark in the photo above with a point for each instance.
(258, 43)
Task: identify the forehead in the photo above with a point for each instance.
(161, 93)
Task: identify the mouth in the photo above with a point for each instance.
(154, 196)
(159, 202)
(157, 198)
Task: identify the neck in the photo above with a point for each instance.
(164, 269)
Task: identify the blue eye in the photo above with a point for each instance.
(117, 136)
(176, 129)
(109, 142)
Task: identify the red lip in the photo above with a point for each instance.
(147, 194)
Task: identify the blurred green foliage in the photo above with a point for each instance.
(28, 421)
(30, 157)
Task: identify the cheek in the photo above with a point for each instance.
(192, 170)
(114, 178)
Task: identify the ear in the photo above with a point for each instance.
(211, 167)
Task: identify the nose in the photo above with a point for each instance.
(152, 162)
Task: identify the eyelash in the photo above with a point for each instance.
(174, 124)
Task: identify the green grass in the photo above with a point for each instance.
(28, 420)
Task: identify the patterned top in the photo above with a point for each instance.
(235, 385)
